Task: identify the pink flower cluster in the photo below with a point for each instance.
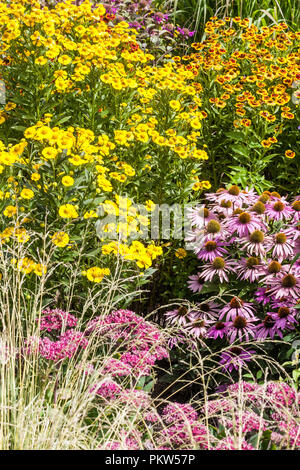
(141, 343)
(67, 345)
(56, 319)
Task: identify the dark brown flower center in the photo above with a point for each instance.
(283, 312)
(213, 226)
(237, 211)
(240, 322)
(244, 218)
(257, 236)
(199, 323)
(205, 307)
(252, 261)
(210, 245)
(280, 238)
(182, 311)
(234, 190)
(268, 321)
(236, 350)
(275, 194)
(218, 263)
(288, 281)
(220, 325)
(226, 204)
(206, 212)
(236, 302)
(278, 206)
(274, 267)
(259, 207)
(296, 206)
(264, 198)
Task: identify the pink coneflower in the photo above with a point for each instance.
(218, 330)
(219, 267)
(214, 229)
(281, 245)
(233, 194)
(208, 310)
(285, 285)
(266, 328)
(244, 224)
(284, 318)
(250, 269)
(278, 210)
(240, 328)
(196, 282)
(237, 307)
(235, 358)
(296, 209)
(262, 295)
(198, 326)
(254, 244)
(212, 249)
(273, 270)
(200, 216)
(179, 316)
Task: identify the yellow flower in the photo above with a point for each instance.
(68, 211)
(290, 154)
(90, 214)
(96, 274)
(49, 153)
(10, 211)
(174, 104)
(67, 181)
(35, 176)
(27, 193)
(180, 253)
(60, 239)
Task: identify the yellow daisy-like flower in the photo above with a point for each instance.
(10, 211)
(67, 181)
(60, 239)
(290, 154)
(27, 193)
(180, 253)
(35, 176)
(174, 104)
(96, 274)
(68, 211)
(90, 214)
(49, 153)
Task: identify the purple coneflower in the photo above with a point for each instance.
(179, 316)
(285, 285)
(235, 358)
(296, 209)
(208, 310)
(278, 210)
(218, 330)
(240, 328)
(266, 328)
(196, 282)
(281, 245)
(262, 295)
(200, 216)
(284, 318)
(212, 249)
(198, 326)
(219, 267)
(244, 224)
(250, 269)
(237, 307)
(254, 243)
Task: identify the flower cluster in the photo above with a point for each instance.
(141, 343)
(246, 243)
